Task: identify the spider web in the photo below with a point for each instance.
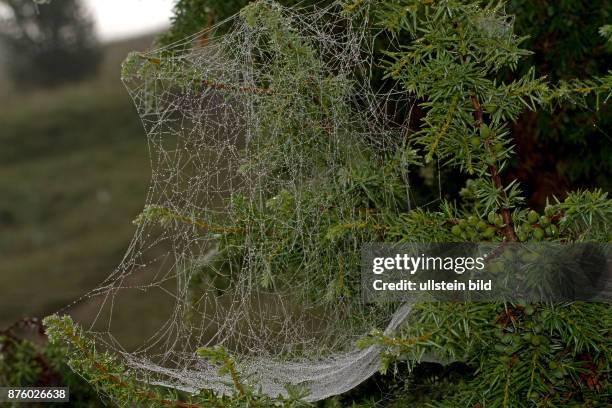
(264, 135)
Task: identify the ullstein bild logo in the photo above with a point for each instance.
(486, 272)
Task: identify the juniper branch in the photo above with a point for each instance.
(494, 172)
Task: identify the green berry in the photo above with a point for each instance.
(491, 108)
(482, 225)
(489, 232)
(456, 230)
(533, 217)
(496, 267)
(499, 221)
(492, 217)
(528, 256)
(558, 373)
(485, 131)
(554, 230)
(473, 220)
(475, 141)
(538, 233)
(544, 221)
(509, 254)
(549, 211)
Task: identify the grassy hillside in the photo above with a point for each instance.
(74, 170)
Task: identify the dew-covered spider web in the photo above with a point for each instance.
(273, 161)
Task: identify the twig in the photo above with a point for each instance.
(508, 228)
(76, 341)
(443, 129)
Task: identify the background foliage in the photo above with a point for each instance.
(27, 360)
(49, 44)
(568, 148)
(555, 355)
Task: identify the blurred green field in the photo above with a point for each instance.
(74, 171)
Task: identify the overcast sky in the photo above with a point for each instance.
(117, 19)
